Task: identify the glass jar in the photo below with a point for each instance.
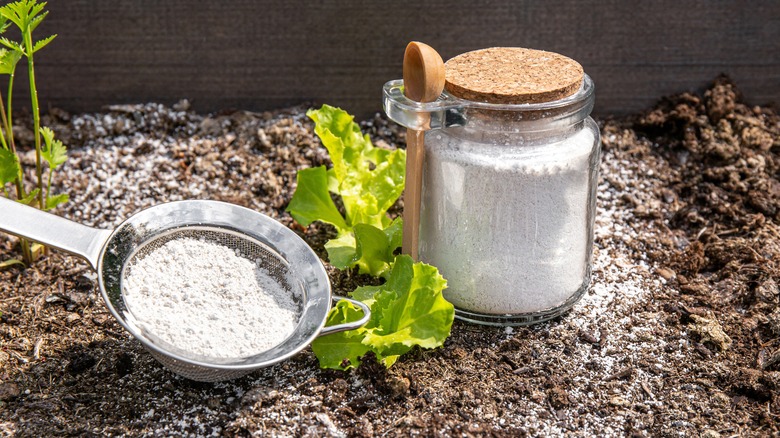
(508, 200)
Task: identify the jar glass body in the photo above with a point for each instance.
(508, 209)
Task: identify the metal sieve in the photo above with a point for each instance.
(284, 255)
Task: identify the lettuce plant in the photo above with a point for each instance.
(408, 309)
(369, 180)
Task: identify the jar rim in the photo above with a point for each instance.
(450, 111)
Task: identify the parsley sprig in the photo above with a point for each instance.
(26, 15)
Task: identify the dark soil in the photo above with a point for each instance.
(678, 336)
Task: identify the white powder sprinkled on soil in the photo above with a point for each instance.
(128, 172)
(204, 298)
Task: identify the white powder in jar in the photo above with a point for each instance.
(206, 299)
(509, 226)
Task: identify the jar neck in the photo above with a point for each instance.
(449, 112)
(560, 115)
(514, 133)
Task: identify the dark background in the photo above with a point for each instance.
(255, 55)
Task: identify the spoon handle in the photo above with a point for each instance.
(424, 80)
(39, 226)
(415, 157)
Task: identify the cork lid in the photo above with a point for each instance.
(512, 75)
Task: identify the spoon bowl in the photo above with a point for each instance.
(423, 73)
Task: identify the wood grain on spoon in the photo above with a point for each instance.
(423, 82)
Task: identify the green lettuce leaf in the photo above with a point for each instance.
(413, 315)
(375, 247)
(367, 247)
(366, 294)
(386, 180)
(340, 136)
(312, 202)
(408, 310)
(342, 251)
(341, 350)
(368, 179)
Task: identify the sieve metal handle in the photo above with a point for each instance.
(48, 229)
(348, 325)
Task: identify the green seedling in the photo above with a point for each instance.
(408, 309)
(26, 15)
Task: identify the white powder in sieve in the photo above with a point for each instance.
(206, 299)
(508, 226)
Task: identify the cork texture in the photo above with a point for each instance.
(512, 75)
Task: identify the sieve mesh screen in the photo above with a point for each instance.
(259, 253)
(262, 255)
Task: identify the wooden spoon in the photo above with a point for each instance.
(423, 82)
